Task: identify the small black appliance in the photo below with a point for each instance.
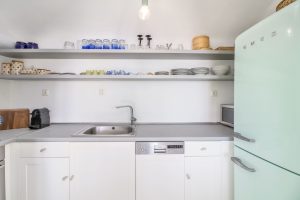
(40, 118)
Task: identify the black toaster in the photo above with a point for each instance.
(40, 118)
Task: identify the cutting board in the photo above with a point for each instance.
(14, 118)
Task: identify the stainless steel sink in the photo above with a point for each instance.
(107, 131)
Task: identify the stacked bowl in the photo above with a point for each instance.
(220, 70)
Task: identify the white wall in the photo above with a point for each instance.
(5, 90)
(50, 23)
(154, 101)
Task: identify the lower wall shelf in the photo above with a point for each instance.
(117, 78)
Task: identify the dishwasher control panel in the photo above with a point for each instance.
(159, 147)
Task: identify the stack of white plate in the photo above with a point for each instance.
(181, 71)
(200, 70)
(162, 73)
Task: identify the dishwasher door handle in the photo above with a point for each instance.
(160, 150)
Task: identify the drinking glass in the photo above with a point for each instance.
(99, 44)
(106, 44)
(84, 44)
(69, 45)
(133, 46)
(122, 44)
(114, 44)
(92, 44)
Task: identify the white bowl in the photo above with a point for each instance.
(220, 70)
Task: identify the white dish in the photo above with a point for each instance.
(220, 70)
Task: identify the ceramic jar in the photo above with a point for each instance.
(28, 71)
(6, 68)
(42, 71)
(16, 67)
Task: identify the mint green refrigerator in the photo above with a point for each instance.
(267, 109)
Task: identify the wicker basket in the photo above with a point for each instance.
(283, 4)
(201, 42)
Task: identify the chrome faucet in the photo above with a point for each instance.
(132, 118)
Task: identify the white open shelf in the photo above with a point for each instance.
(116, 54)
(118, 77)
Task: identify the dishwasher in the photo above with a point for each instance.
(2, 173)
(159, 170)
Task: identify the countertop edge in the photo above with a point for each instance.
(45, 135)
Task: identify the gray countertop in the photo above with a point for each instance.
(143, 132)
(9, 136)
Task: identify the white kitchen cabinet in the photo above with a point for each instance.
(209, 171)
(107, 170)
(43, 179)
(37, 171)
(102, 171)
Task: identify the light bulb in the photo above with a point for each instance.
(144, 12)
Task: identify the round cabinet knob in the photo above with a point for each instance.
(43, 150)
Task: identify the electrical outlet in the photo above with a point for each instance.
(214, 93)
(101, 92)
(45, 92)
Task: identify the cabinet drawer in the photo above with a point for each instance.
(43, 149)
(203, 148)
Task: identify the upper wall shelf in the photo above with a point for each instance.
(117, 78)
(117, 54)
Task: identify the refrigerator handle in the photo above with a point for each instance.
(239, 136)
(239, 162)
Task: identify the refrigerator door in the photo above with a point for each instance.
(267, 94)
(267, 182)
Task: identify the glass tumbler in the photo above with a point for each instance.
(106, 44)
(99, 44)
(122, 44)
(92, 44)
(84, 44)
(114, 44)
(69, 45)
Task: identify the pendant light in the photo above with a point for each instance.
(144, 12)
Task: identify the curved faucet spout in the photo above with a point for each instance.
(132, 118)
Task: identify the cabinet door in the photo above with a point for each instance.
(2, 182)
(203, 178)
(103, 171)
(43, 179)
